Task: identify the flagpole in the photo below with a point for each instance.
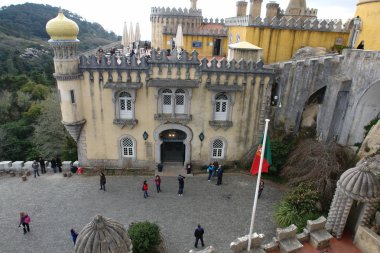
(258, 184)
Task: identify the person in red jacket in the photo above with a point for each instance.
(145, 189)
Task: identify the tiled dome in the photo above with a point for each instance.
(360, 183)
(62, 28)
(103, 235)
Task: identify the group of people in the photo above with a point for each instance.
(39, 164)
(215, 169)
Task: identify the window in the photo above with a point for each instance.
(127, 147)
(167, 101)
(180, 101)
(72, 96)
(125, 105)
(218, 149)
(221, 107)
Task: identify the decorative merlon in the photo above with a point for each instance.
(162, 11)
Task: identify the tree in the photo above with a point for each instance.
(50, 137)
(145, 237)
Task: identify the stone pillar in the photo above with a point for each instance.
(255, 8)
(272, 10)
(241, 8)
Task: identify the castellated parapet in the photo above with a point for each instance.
(327, 25)
(162, 11)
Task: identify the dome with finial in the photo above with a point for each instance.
(360, 183)
(62, 28)
(103, 235)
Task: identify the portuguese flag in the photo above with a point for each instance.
(267, 158)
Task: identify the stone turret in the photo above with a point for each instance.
(63, 33)
(297, 9)
(255, 8)
(273, 10)
(193, 4)
(241, 8)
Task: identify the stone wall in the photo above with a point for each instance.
(366, 240)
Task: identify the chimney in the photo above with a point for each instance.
(241, 8)
(255, 8)
(273, 10)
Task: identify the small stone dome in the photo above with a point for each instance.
(62, 28)
(360, 183)
(103, 235)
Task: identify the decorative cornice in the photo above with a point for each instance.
(174, 83)
(168, 118)
(121, 86)
(225, 88)
(125, 122)
(68, 77)
(220, 124)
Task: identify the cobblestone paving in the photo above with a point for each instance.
(56, 204)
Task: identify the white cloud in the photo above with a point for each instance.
(112, 14)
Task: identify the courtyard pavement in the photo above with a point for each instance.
(57, 204)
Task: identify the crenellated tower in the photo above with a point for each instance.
(273, 10)
(193, 4)
(241, 8)
(63, 39)
(298, 9)
(255, 8)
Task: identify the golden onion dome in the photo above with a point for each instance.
(62, 28)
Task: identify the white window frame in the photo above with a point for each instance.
(129, 147)
(221, 107)
(126, 98)
(176, 107)
(217, 152)
(180, 101)
(167, 101)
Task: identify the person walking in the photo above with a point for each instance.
(210, 170)
(219, 174)
(35, 166)
(158, 183)
(198, 233)
(361, 45)
(24, 221)
(74, 235)
(145, 189)
(102, 181)
(59, 164)
(261, 188)
(53, 163)
(181, 184)
(42, 165)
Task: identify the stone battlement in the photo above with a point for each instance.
(311, 12)
(222, 32)
(290, 23)
(162, 11)
(335, 58)
(159, 58)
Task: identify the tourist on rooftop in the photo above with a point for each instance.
(361, 45)
(100, 55)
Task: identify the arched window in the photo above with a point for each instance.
(125, 105)
(221, 107)
(127, 147)
(167, 101)
(218, 149)
(180, 101)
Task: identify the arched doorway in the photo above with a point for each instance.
(172, 147)
(172, 142)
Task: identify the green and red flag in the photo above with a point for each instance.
(267, 158)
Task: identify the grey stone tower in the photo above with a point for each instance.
(193, 4)
(241, 8)
(255, 8)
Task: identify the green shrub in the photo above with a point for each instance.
(298, 206)
(145, 237)
(280, 151)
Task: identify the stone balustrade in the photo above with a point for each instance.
(327, 25)
(20, 166)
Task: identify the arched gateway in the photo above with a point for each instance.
(172, 143)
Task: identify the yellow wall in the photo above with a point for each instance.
(281, 44)
(370, 16)
(205, 50)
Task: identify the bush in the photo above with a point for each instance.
(280, 151)
(145, 237)
(299, 205)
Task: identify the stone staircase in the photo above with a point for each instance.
(172, 169)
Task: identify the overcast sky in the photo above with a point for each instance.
(111, 14)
